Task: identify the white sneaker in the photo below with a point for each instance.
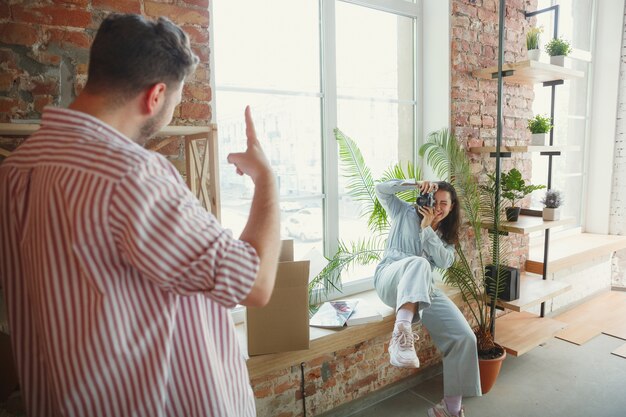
(402, 347)
(440, 410)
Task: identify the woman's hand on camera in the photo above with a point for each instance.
(428, 215)
(427, 187)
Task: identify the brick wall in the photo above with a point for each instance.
(617, 219)
(44, 51)
(474, 45)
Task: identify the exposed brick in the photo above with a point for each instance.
(180, 15)
(197, 34)
(72, 2)
(125, 6)
(52, 15)
(195, 111)
(43, 86)
(199, 3)
(285, 386)
(7, 104)
(41, 102)
(17, 34)
(6, 81)
(66, 38)
(197, 91)
(202, 51)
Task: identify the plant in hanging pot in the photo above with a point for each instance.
(514, 188)
(558, 49)
(552, 201)
(532, 43)
(539, 127)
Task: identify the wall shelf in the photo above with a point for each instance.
(520, 332)
(533, 291)
(529, 224)
(523, 148)
(530, 72)
(18, 129)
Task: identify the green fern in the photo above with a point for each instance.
(449, 160)
(361, 252)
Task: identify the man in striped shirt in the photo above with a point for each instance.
(117, 282)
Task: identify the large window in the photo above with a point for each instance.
(305, 68)
(570, 107)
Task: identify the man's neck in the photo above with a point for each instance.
(119, 117)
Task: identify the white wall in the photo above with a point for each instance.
(617, 220)
(604, 104)
(435, 38)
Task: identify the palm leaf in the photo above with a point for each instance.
(360, 184)
(362, 252)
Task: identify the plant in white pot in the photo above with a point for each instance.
(558, 49)
(539, 126)
(532, 43)
(552, 201)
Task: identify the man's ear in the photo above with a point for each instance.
(154, 98)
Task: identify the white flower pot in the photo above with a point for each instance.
(550, 214)
(534, 54)
(539, 139)
(558, 60)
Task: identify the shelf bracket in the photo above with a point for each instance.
(500, 232)
(501, 154)
(553, 82)
(550, 153)
(505, 73)
(531, 212)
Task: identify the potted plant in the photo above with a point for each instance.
(539, 126)
(558, 49)
(552, 201)
(473, 272)
(532, 43)
(514, 188)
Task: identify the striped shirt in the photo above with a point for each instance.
(117, 282)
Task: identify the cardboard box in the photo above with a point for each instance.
(283, 324)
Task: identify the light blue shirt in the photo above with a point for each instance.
(406, 237)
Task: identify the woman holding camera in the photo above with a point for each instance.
(422, 237)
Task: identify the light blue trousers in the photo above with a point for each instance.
(409, 280)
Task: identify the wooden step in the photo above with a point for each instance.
(528, 224)
(533, 291)
(520, 332)
(574, 249)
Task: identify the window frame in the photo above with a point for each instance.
(328, 96)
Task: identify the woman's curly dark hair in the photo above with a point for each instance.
(449, 227)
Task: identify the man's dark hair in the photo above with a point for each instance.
(449, 226)
(131, 53)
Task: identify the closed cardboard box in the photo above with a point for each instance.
(283, 324)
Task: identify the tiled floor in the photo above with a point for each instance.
(557, 379)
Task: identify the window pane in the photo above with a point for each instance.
(374, 53)
(270, 47)
(376, 105)
(289, 131)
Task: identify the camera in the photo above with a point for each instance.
(425, 200)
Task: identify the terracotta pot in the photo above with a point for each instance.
(489, 370)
